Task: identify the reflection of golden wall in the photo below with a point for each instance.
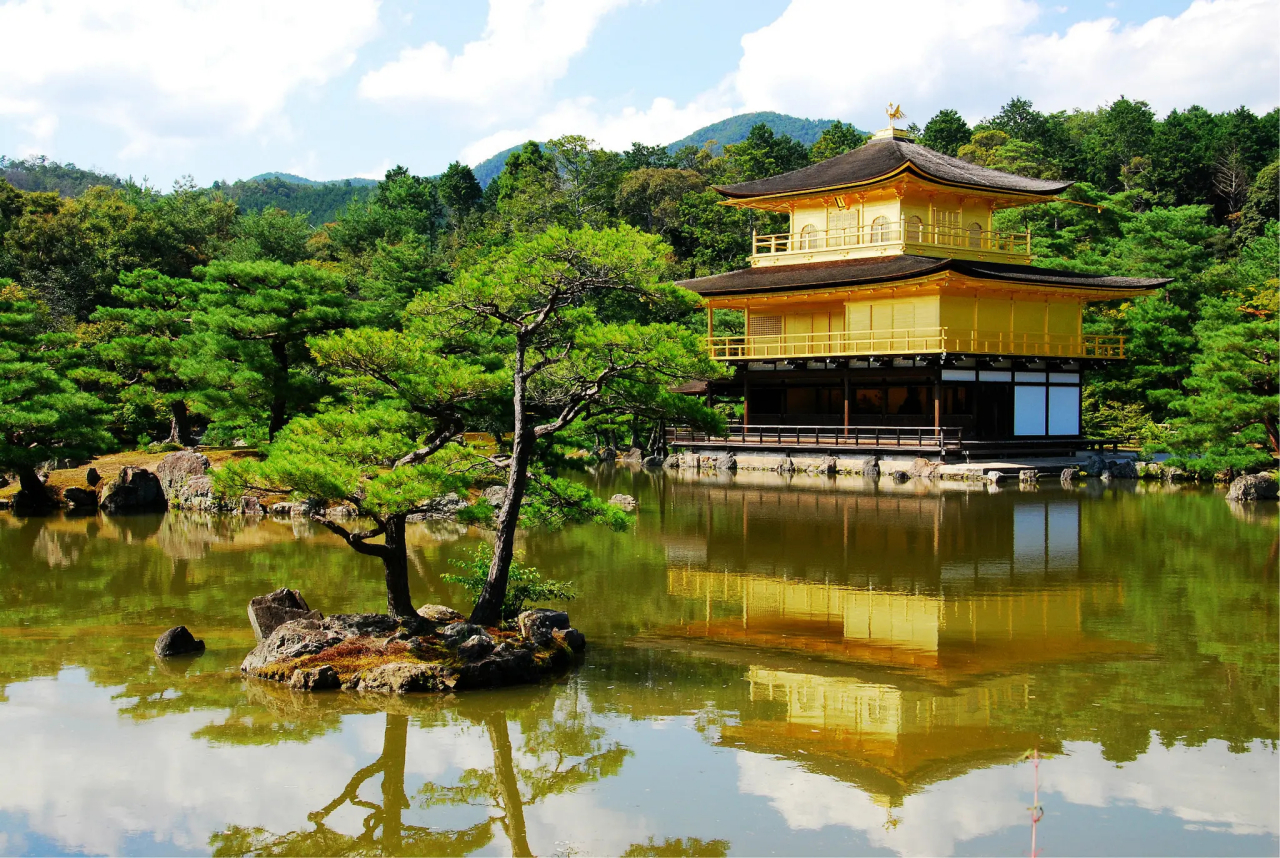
(1025, 622)
(884, 711)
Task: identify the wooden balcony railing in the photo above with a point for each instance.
(914, 341)
(909, 236)
(886, 437)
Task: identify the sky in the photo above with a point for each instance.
(330, 89)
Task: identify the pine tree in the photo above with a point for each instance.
(43, 415)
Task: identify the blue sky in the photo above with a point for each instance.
(337, 88)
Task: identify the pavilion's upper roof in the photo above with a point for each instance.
(880, 159)
(882, 269)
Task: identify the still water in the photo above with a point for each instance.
(776, 666)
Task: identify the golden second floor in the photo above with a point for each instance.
(941, 317)
(903, 218)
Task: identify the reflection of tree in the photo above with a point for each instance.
(675, 847)
(566, 751)
(384, 831)
(559, 750)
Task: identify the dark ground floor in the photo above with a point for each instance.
(907, 403)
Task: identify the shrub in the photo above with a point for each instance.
(524, 584)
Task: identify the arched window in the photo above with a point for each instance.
(975, 235)
(915, 228)
(880, 230)
(808, 237)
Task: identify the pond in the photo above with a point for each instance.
(777, 665)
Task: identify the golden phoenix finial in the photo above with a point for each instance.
(895, 112)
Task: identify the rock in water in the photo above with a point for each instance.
(92, 477)
(1253, 487)
(1068, 475)
(79, 499)
(176, 472)
(1123, 469)
(178, 641)
(654, 462)
(269, 612)
(455, 633)
(900, 476)
(322, 678)
(134, 490)
(571, 638)
(537, 625)
(402, 677)
(1028, 476)
(624, 501)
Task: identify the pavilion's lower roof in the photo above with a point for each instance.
(854, 272)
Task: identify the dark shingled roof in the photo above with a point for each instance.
(883, 157)
(853, 272)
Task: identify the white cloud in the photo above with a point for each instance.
(526, 46)
(169, 74)
(662, 122)
(972, 55)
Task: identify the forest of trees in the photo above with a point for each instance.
(137, 316)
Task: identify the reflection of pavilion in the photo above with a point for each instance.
(883, 537)
(889, 741)
(889, 690)
(949, 636)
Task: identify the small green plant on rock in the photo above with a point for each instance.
(524, 584)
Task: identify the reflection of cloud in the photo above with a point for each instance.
(97, 779)
(1207, 785)
(931, 823)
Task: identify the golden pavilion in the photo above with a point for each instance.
(892, 313)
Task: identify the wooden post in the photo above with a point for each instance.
(746, 398)
(937, 401)
(846, 402)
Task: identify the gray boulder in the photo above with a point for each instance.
(726, 462)
(134, 490)
(267, 613)
(322, 678)
(176, 470)
(310, 635)
(80, 499)
(635, 454)
(455, 633)
(572, 638)
(178, 641)
(446, 506)
(538, 624)
(654, 461)
(250, 505)
(476, 647)
(672, 461)
(872, 471)
(342, 510)
(1068, 475)
(281, 508)
(922, 468)
(404, 677)
(1028, 476)
(92, 477)
(495, 495)
(625, 501)
(1123, 469)
(900, 476)
(1253, 487)
(439, 614)
(995, 477)
(1094, 465)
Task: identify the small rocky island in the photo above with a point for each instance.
(435, 651)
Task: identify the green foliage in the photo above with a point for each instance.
(39, 174)
(763, 153)
(459, 191)
(946, 132)
(319, 202)
(42, 413)
(735, 129)
(836, 140)
(525, 585)
(271, 234)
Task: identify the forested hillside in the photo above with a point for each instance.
(129, 316)
(41, 174)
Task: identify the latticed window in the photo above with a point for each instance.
(808, 237)
(842, 227)
(879, 229)
(949, 228)
(915, 228)
(764, 326)
(975, 235)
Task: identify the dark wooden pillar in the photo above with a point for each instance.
(937, 400)
(746, 399)
(846, 401)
